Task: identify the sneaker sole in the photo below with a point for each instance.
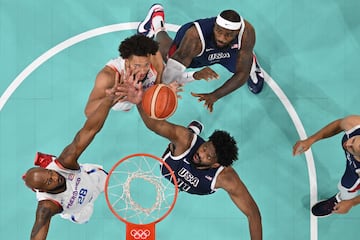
(141, 28)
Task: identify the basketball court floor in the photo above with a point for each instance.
(51, 51)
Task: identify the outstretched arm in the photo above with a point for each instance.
(104, 80)
(243, 64)
(243, 67)
(158, 63)
(189, 47)
(178, 135)
(329, 130)
(68, 158)
(230, 182)
(44, 212)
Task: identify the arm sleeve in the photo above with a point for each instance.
(175, 71)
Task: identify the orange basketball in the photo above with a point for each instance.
(159, 101)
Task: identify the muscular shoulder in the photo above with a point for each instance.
(190, 44)
(105, 77)
(181, 138)
(227, 179)
(48, 208)
(158, 63)
(156, 59)
(192, 33)
(349, 122)
(249, 38)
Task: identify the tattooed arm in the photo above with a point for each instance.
(44, 212)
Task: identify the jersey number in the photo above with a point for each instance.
(82, 195)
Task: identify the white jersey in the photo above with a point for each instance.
(118, 64)
(82, 188)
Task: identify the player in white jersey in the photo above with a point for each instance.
(83, 186)
(64, 186)
(137, 53)
(140, 54)
(148, 80)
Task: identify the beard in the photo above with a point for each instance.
(59, 188)
(198, 164)
(222, 47)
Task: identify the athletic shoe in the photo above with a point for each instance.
(325, 208)
(255, 74)
(196, 127)
(43, 159)
(146, 27)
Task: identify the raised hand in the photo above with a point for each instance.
(114, 92)
(127, 87)
(176, 87)
(343, 206)
(209, 99)
(131, 87)
(206, 73)
(301, 146)
(134, 89)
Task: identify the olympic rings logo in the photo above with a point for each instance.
(140, 233)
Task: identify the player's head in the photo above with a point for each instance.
(221, 149)
(44, 180)
(352, 145)
(227, 26)
(225, 147)
(137, 51)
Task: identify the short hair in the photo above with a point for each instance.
(230, 15)
(138, 45)
(225, 147)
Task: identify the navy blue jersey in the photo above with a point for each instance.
(189, 178)
(210, 53)
(351, 176)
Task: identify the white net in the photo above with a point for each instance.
(137, 192)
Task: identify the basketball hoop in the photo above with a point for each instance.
(139, 195)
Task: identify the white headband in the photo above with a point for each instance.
(227, 24)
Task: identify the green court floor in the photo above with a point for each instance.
(50, 53)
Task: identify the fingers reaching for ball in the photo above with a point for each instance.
(177, 88)
(127, 87)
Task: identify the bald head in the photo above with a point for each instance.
(33, 177)
(44, 180)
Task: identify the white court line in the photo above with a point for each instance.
(58, 48)
(171, 27)
(308, 154)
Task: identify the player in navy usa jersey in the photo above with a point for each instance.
(226, 39)
(349, 185)
(201, 166)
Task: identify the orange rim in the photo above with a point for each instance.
(141, 155)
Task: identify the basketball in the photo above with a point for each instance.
(159, 101)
